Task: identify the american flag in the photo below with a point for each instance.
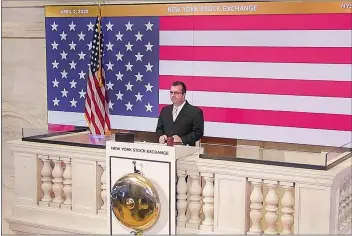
(96, 109)
(266, 77)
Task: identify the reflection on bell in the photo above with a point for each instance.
(129, 203)
(135, 202)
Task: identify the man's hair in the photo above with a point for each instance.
(184, 89)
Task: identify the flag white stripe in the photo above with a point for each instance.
(93, 95)
(327, 72)
(93, 114)
(238, 131)
(272, 38)
(97, 98)
(265, 102)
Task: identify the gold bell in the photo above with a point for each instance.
(135, 202)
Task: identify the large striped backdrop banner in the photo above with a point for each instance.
(268, 71)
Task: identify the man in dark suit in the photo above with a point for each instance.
(181, 120)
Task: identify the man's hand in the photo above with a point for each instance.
(162, 139)
(177, 139)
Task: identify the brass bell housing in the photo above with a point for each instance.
(135, 202)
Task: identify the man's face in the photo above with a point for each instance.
(176, 95)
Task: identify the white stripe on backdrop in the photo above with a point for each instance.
(240, 131)
(265, 102)
(275, 38)
(333, 72)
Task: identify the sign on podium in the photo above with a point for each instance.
(141, 180)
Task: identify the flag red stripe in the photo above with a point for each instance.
(277, 118)
(93, 99)
(100, 93)
(90, 116)
(334, 21)
(262, 86)
(334, 55)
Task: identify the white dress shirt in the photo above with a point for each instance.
(176, 110)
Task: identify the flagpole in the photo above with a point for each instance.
(107, 132)
(100, 76)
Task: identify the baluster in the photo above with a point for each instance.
(194, 205)
(46, 178)
(287, 210)
(181, 199)
(103, 187)
(189, 183)
(272, 201)
(58, 185)
(256, 206)
(67, 184)
(208, 207)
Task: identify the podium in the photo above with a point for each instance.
(157, 163)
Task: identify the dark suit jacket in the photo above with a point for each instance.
(189, 124)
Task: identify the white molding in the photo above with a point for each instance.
(44, 220)
(85, 153)
(275, 173)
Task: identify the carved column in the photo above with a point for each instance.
(103, 187)
(46, 178)
(287, 210)
(57, 182)
(256, 206)
(181, 198)
(347, 198)
(272, 201)
(208, 200)
(195, 197)
(67, 184)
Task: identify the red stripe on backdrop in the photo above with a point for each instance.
(277, 118)
(340, 21)
(336, 55)
(262, 86)
(56, 127)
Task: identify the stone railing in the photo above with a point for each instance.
(58, 189)
(62, 189)
(243, 198)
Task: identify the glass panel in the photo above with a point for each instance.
(30, 132)
(338, 153)
(315, 159)
(82, 137)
